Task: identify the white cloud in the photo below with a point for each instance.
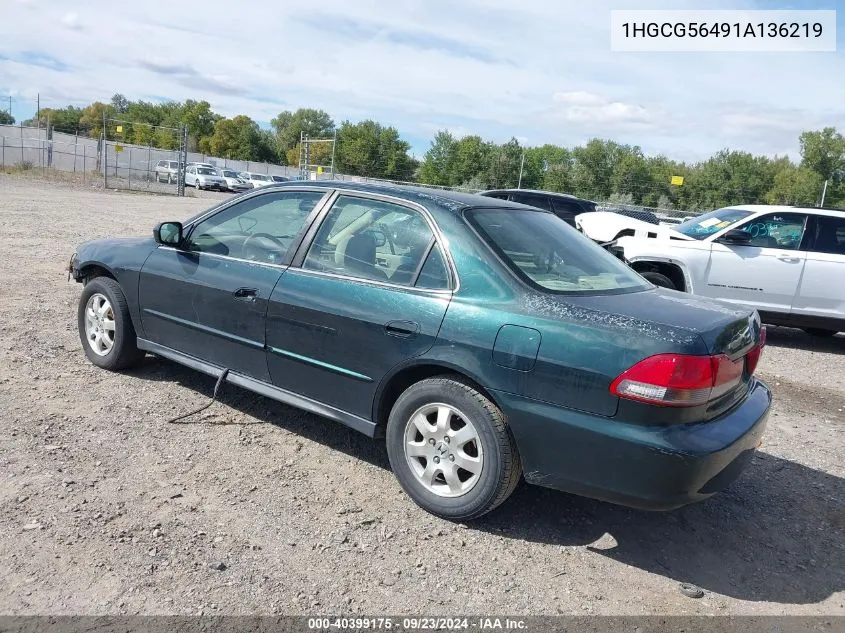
(539, 70)
(71, 21)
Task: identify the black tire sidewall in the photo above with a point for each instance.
(660, 280)
(122, 324)
(483, 495)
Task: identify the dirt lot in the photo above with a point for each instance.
(257, 508)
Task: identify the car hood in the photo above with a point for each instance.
(605, 226)
(664, 314)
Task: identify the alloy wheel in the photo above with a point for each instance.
(443, 450)
(99, 324)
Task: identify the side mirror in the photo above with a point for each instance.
(168, 233)
(737, 236)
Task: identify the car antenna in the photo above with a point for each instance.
(217, 385)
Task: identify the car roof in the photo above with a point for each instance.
(451, 200)
(539, 192)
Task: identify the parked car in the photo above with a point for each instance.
(280, 178)
(167, 171)
(785, 262)
(481, 339)
(563, 205)
(207, 165)
(233, 181)
(204, 178)
(256, 180)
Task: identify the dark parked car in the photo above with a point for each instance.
(563, 205)
(482, 339)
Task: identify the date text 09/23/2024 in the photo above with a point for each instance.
(416, 624)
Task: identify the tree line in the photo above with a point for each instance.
(600, 169)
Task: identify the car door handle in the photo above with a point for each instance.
(247, 294)
(402, 329)
(787, 258)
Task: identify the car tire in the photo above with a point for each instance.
(820, 332)
(169, 179)
(479, 439)
(659, 279)
(105, 326)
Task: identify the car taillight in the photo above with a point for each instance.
(679, 380)
(753, 357)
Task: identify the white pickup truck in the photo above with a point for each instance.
(787, 262)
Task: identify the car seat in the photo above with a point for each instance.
(358, 256)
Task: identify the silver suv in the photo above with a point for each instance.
(167, 171)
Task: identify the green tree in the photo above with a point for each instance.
(289, 126)
(6, 118)
(238, 138)
(505, 161)
(91, 119)
(371, 149)
(824, 152)
(472, 162)
(119, 103)
(438, 166)
(795, 185)
(631, 176)
(199, 119)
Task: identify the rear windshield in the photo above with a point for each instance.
(549, 254)
(260, 177)
(706, 225)
(206, 171)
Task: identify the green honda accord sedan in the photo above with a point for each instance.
(482, 340)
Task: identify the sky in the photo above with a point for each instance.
(539, 70)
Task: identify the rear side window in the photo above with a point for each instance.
(552, 256)
(434, 275)
(830, 235)
(531, 200)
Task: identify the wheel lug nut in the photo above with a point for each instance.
(431, 441)
(436, 460)
(446, 439)
(451, 458)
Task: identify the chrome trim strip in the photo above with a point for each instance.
(322, 365)
(351, 420)
(204, 328)
(384, 284)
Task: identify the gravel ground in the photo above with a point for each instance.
(257, 508)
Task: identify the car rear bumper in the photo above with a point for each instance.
(647, 467)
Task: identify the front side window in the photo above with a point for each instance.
(830, 235)
(261, 229)
(374, 240)
(547, 253)
(776, 230)
(704, 226)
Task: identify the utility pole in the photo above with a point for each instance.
(521, 165)
(824, 192)
(10, 105)
(334, 146)
(38, 112)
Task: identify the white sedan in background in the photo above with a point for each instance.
(203, 178)
(257, 180)
(787, 262)
(233, 180)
